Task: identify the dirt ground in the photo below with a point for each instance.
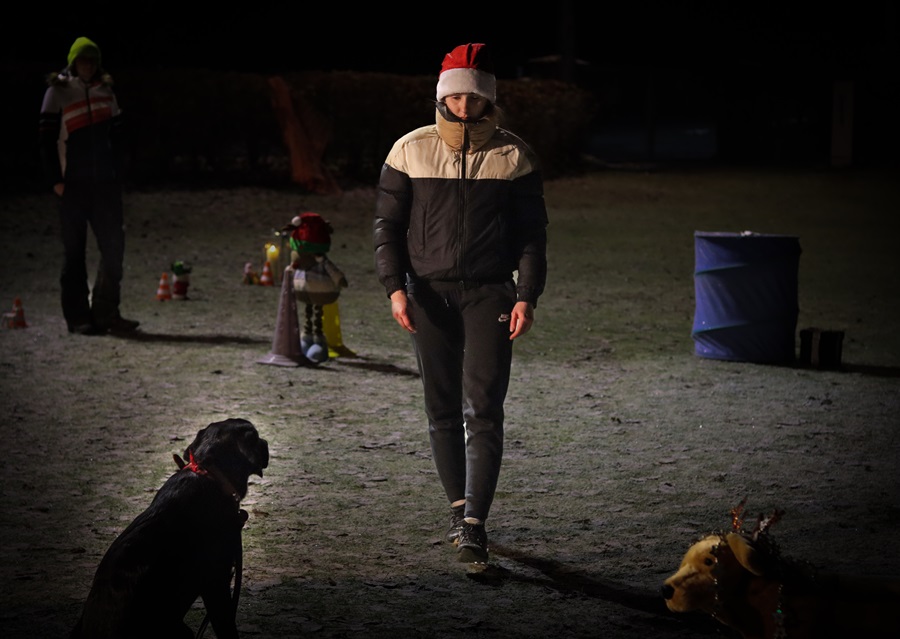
(622, 445)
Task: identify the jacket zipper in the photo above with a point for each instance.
(93, 133)
(461, 227)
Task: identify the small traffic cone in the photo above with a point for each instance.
(19, 312)
(286, 341)
(164, 293)
(266, 278)
(16, 319)
(331, 326)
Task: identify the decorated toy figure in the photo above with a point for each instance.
(181, 280)
(317, 281)
(250, 276)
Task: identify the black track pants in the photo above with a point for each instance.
(100, 206)
(464, 355)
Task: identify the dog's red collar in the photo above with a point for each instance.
(194, 467)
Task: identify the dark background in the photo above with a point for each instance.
(725, 82)
(843, 38)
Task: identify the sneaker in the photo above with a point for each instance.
(85, 329)
(121, 325)
(456, 522)
(472, 544)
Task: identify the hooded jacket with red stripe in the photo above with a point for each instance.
(461, 201)
(78, 130)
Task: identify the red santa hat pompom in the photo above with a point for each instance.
(468, 69)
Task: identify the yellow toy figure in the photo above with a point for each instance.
(317, 281)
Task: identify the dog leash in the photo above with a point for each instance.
(238, 571)
(239, 553)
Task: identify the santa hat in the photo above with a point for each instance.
(312, 233)
(468, 69)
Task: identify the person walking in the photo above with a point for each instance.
(460, 237)
(79, 130)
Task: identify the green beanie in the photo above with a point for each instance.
(85, 47)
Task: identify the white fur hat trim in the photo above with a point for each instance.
(465, 80)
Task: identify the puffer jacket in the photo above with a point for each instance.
(79, 131)
(461, 202)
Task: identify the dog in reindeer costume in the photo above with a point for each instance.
(317, 280)
(742, 580)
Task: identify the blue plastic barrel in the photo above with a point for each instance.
(745, 286)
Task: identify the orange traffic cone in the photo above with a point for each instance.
(286, 342)
(164, 293)
(16, 319)
(266, 277)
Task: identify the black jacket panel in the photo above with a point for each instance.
(450, 216)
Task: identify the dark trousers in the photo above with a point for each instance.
(100, 206)
(464, 356)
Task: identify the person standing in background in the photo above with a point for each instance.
(460, 248)
(81, 156)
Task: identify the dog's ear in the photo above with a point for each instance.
(745, 553)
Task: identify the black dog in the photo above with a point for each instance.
(185, 545)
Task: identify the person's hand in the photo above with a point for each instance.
(400, 310)
(521, 319)
(58, 188)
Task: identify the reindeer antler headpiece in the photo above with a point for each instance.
(763, 522)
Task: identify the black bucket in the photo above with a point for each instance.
(821, 348)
